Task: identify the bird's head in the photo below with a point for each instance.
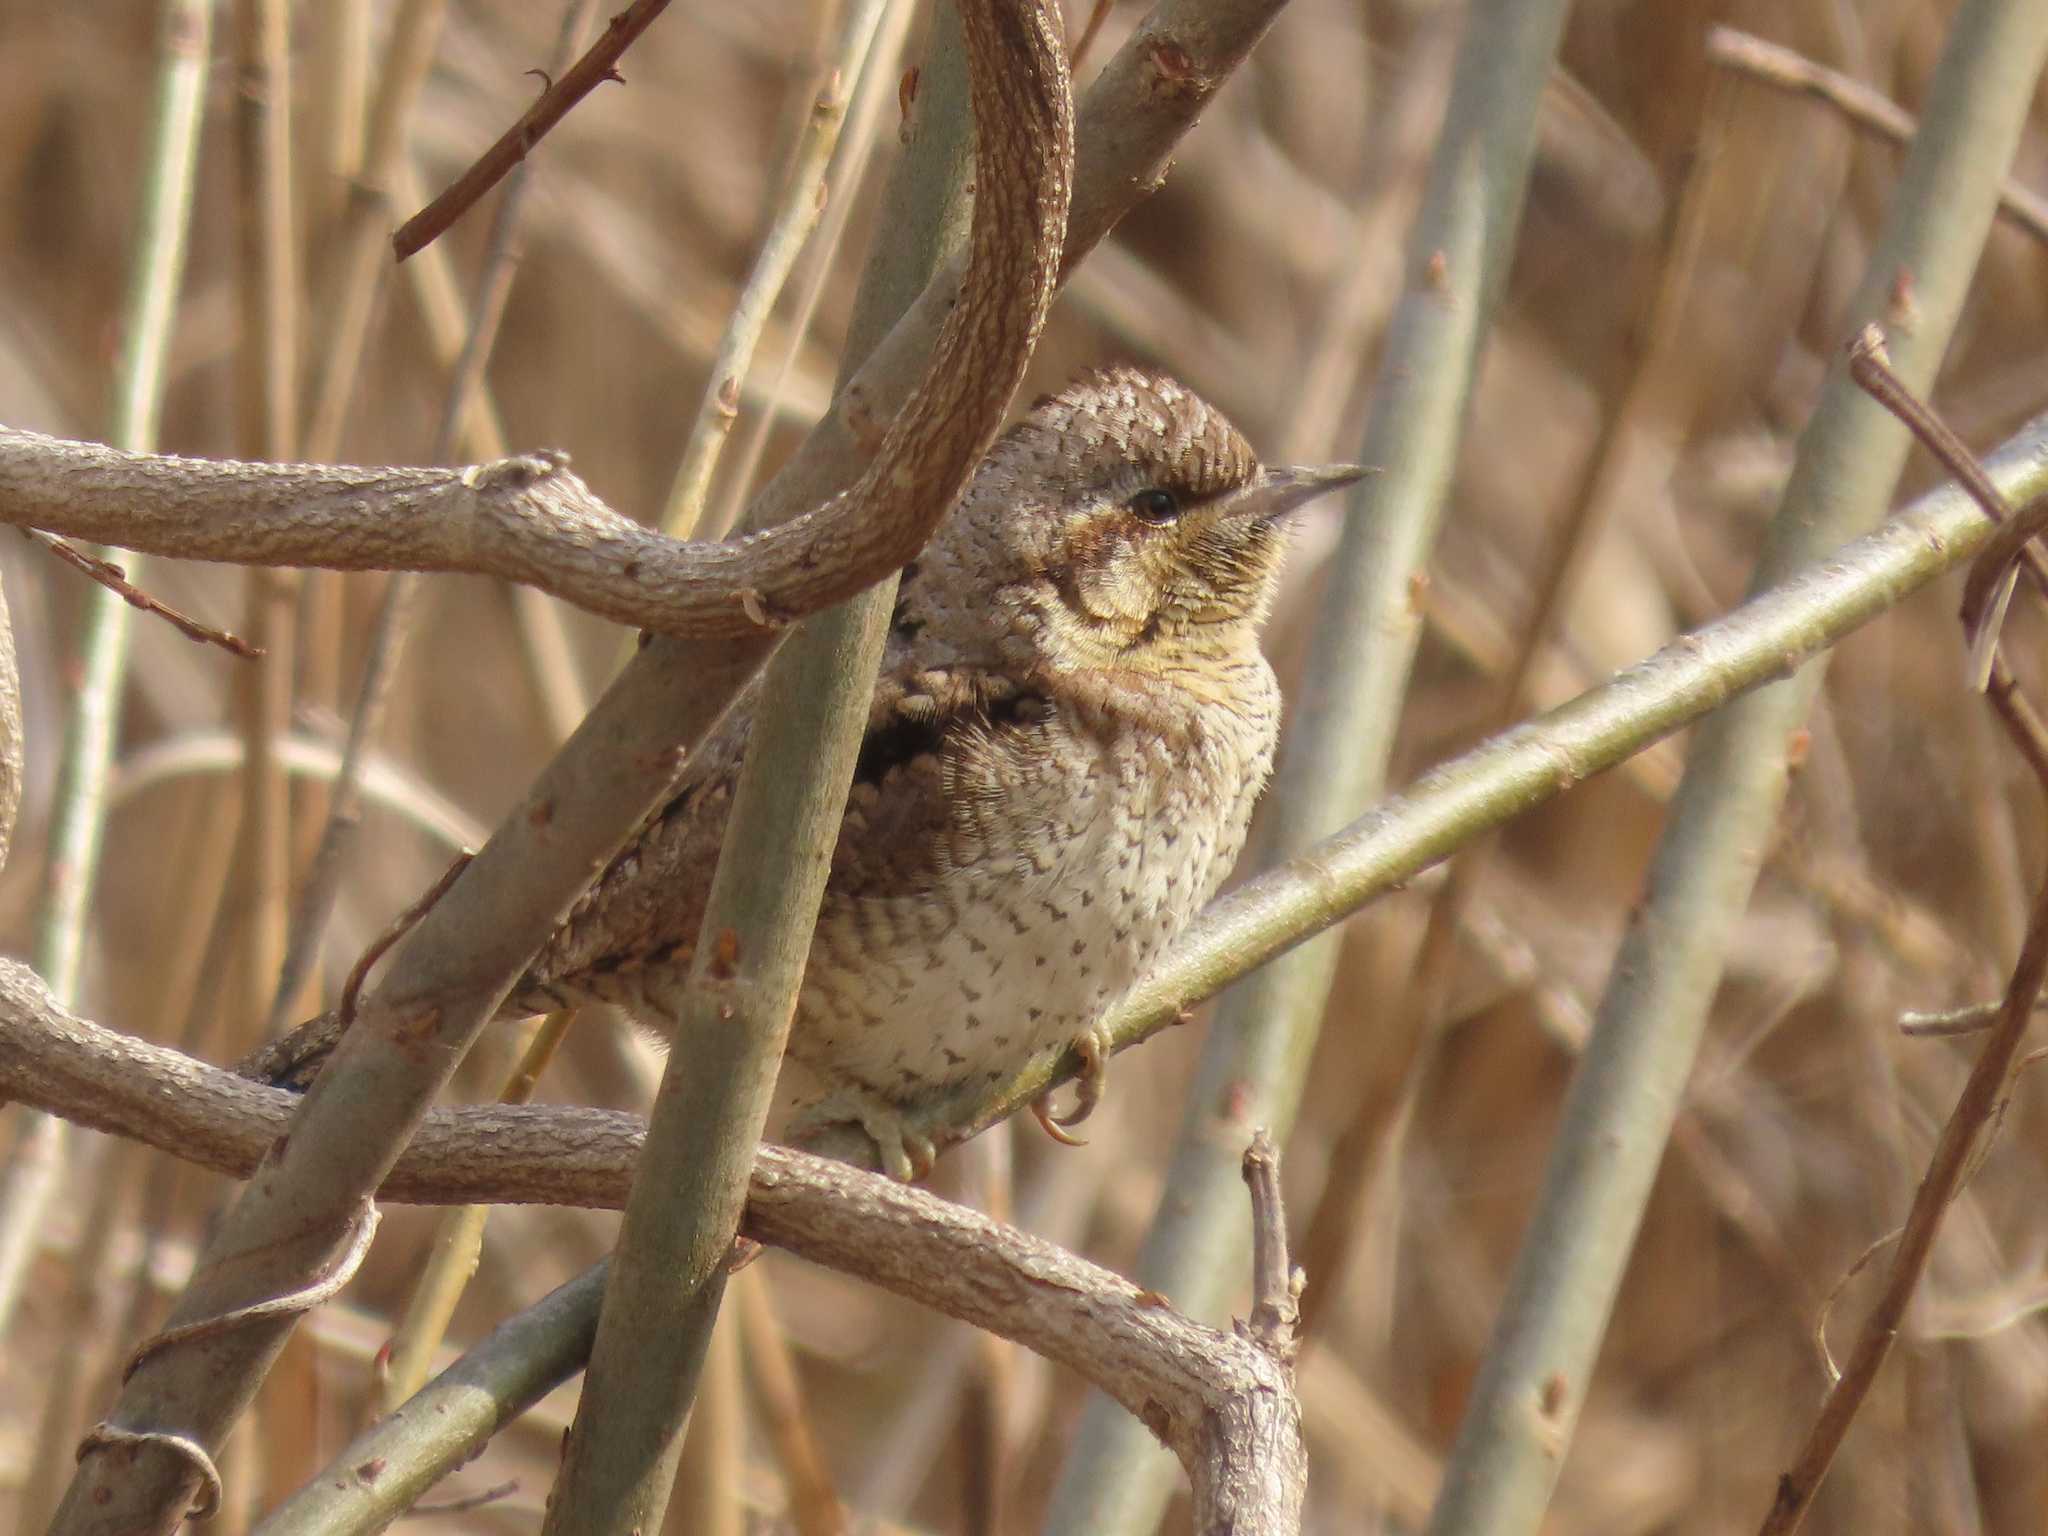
(1122, 522)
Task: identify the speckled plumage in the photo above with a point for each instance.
(1072, 723)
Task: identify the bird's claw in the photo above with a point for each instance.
(1089, 1088)
(905, 1154)
(1041, 1109)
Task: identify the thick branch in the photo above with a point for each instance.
(526, 519)
(529, 519)
(1222, 1404)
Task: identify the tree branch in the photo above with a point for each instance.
(1222, 1404)
(529, 519)
(526, 519)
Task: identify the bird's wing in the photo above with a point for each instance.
(922, 803)
(912, 815)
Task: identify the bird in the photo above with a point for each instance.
(1071, 725)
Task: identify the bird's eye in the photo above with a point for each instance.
(1155, 505)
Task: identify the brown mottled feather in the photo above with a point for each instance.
(1072, 723)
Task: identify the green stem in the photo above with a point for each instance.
(78, 812)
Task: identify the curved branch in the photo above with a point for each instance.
(1224, 1405)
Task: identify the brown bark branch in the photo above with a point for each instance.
(527, 519)
(1224, 1405)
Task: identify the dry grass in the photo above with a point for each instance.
(1898, 879)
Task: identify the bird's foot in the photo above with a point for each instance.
(906, 1154)
(1092, 1046)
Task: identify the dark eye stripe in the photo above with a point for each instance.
(1155, 505)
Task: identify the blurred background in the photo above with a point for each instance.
(1690, 242)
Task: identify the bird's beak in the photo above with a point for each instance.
(1276, 492)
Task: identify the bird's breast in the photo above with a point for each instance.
(1075, 852)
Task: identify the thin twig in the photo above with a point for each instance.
(391, 626)
(856, 149)
(1868, 109)
(596, 66)
(496, 1493)
(115, 580)
(388, 785)
(268, 412)
(551, 666)
(1090, 30)
(457, 1243)
(1334, 762)
(352, 276)
(1629, 1087)
(814, 1505)
(1377, 1121)
(1954, 1156)
(359, 265)
(396, 929)
(1990, 584)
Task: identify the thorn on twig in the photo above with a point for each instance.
(115, 580)
(755, 606)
